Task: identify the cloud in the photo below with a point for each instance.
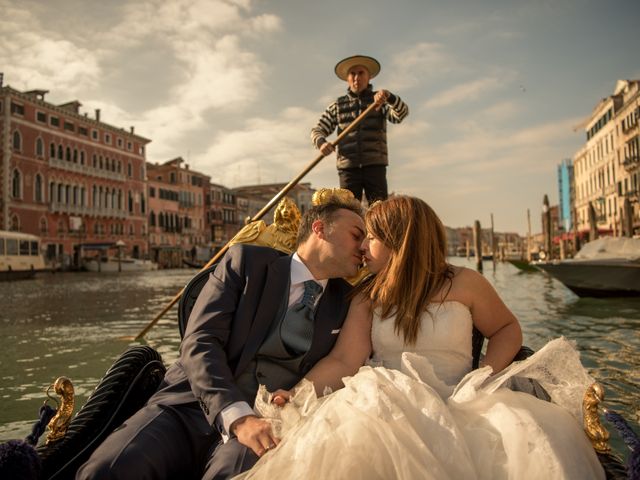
(34, 59)
(163, 65)
(262, 150)
(468, 91)
(413, 66)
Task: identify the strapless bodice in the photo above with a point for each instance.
(444, 340)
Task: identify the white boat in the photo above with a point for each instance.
(125, 264)
(605, 267)
(20, 255)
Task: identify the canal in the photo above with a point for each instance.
(73, 324)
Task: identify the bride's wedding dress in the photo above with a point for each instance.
(419, 412)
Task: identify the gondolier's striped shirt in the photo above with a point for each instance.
(394, 111)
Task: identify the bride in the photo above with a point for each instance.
(416, 409)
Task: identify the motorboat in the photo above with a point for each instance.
(20, 256)
(606, 267)
(115, 264)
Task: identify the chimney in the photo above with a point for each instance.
(97, 114)
(133, 129)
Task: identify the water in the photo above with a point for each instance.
(73, 324)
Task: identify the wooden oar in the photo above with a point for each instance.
(259, 215)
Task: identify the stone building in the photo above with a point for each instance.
(222, 211)
(606, 167)
(71, 179)
(177, 206)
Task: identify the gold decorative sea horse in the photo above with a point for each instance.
(598, 435)
(59, 423)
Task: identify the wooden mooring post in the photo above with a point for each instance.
(494, 254)
(477, 242)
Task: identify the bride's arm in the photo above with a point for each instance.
(494, 320)
(351, 351)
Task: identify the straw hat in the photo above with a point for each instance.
(370, 63)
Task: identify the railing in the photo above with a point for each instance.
(86, 210)
(85, 169)
(630, 163)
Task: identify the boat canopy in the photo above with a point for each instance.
(611, 248)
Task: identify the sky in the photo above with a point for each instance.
(497, 90)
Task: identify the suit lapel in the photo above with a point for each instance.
(275, 291)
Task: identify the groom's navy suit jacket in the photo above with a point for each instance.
(231, 319)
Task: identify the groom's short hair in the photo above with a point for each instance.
(326, 213)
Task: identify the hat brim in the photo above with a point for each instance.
(343, 66)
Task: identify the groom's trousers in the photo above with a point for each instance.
(165, 442)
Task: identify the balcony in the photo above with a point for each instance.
(84, 210)
(630, 163)
(85, 170)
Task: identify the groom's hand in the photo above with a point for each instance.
(255, 433)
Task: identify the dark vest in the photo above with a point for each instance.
(367, 143)
(275, 367)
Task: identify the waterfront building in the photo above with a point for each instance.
(222, 215)
(606, 167)
(565, 194)
(68, 178)
(628, 129)
(165, 243)
(177, 207)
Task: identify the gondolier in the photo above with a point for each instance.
(362, 155)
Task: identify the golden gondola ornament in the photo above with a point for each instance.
(60, 422)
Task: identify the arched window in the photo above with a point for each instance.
(60, 193)
(94, 160)
(60, 152)
(152, 219)
(107, 198)
(119, 167)
(44, 228)
(101, 164)
(100, 197)
(67, 198)
(94, 197)
(52, 150)
(76, 200)
(119, 199)
(38, 189)
(16, 184)
(83, 192)
(17, 141)
(161, 219)
(39, 147)
(82, 157)
(143, 205)
(68, 154)
(52, 192)
(130, 202)
(75, 155)
(15, 223)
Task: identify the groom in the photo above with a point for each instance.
(262, 318)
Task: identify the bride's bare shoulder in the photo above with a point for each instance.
(464, 284)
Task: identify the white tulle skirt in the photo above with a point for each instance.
(389, 424)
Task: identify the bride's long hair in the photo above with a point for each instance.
(417, 269)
